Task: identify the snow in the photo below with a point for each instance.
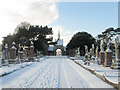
(53, 72)
(111, 74)
(108, 50)
(13, 47)
(12, 67)
(102, 51)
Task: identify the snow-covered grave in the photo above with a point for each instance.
(110, 74)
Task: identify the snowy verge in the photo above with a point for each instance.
(104, 73)
(5, 70)
(12, 67)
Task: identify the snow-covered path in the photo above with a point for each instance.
(54, 72)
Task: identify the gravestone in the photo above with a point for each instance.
(96, 51)
(90, 54)
(31, 52)
(108, 55)
(78, 53)
(86, 57)
(101, 53)
(108, 58)
(92, 57)
(13, 59)
(116, 64)
(21, 56)
(86, 53)
(6, 55)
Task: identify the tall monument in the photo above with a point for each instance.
(102, 53)
(116, 64)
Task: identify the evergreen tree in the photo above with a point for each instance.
(79, 40)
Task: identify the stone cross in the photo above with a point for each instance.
(76, 53)
(6, 55)
(91, 52)
(6, 51)
(101, 45)
(92, 49)
(96, 51)
(116, 45)
(107, 39)
(86, 49)
(86, 53)
(78, 50)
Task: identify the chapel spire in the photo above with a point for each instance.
(58, 34)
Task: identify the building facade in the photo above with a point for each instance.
(58, 48)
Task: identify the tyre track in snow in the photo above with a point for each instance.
(66, 77)
(72, 76)
(55, 72)
(82, 81)
(49, 78)
(21, 78)
(59, 73)
(34, 77)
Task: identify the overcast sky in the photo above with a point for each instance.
(67, 16)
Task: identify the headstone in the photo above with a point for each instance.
(13, 54)
(90, 54)
(96, 51)
(101, 53)
(107, 40)
(6, 55)
(78, 53)
(6, 52)
(86, 57)
(21, 56)
(31, 53)
(116, 64)
(92, 57)
(86, 53)
(108, 56)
